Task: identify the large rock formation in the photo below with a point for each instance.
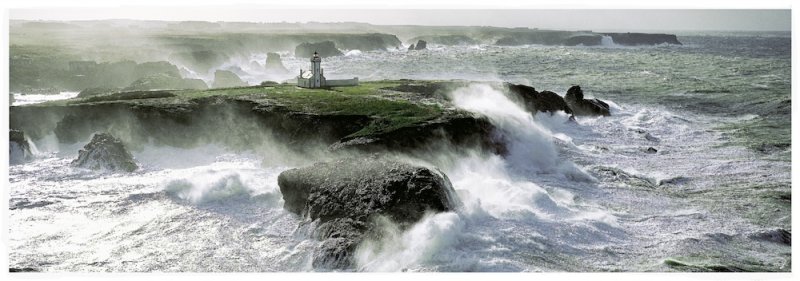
(227, 79)
(545, 101)
(346, 196)
(274, 64)
(105, 152)
(421, 45)
(448, 40)
(581, 106)
(324, 49)
(585, 40)
(634, 39)
(19, 150)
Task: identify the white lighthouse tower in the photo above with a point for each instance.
(316, 78)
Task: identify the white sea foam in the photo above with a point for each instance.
(491, 188)
(23, 99)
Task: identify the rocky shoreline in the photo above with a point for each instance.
(407, 115)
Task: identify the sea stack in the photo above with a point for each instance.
(106, 153)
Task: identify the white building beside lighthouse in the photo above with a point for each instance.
(315, 77)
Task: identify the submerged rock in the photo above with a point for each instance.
(346, 196)
(22, 269)
(105, 152)
(780, 236)
(19, 150)
(581, 106)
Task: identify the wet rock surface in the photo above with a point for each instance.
(346, 196)
(19, 150)
(586, 107)
(106, 153)
(545, 101)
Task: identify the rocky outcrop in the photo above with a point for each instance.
(227, 79)
(346, 196)
(105, 153)
(585, 40)
(165, 81)
(324, 49)
(421, 45)
(634, 39)
(274, 64)
(461, 131)
(19, 150)
(545, 101)
(88, 92)
(448, 40)
(581, 106)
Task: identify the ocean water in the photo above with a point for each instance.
(570, 196)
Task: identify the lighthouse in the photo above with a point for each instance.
(315, 78)
(316, 71)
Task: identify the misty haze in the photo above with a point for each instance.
(400, 141)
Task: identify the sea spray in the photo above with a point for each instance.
(493, 189)
(607, 41)
(529, 144)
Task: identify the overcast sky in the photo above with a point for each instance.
(689, 20)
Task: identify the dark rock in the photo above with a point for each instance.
(585, 40)
(580, 106)
(19, 150)
(459, 131)
(324, 49)
(616, 175)
(412, 47)
(633, 39)
(421, 45)
(105, 152)
(25, 204)
(449, 40)
(227, 79)
(274, 64)
(22, 269)
(345, 196)
(545, 101)
(335, 253)
(651, 150)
